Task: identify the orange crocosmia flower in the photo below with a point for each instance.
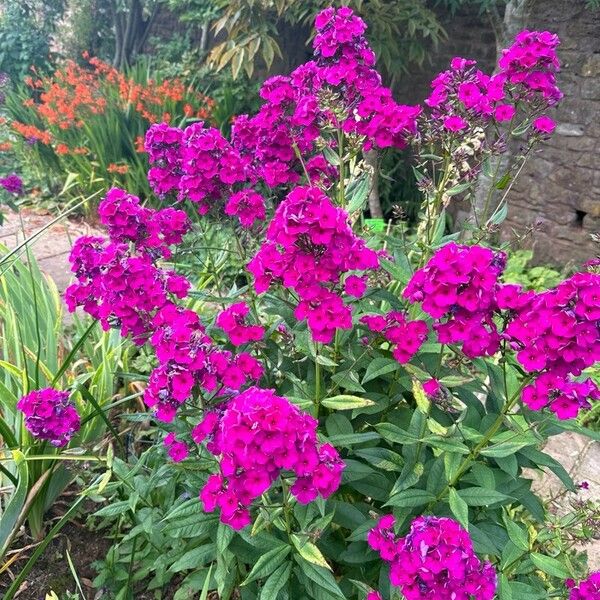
(80, 150)
(188, 111)
(31, 131)
(5, 146)
(166, 117)
(120, 169)
(139, 144)
(62, 149)
(2, 120)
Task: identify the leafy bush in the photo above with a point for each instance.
(25, 29)
(532, 278)
(352, 406)
(88, 123)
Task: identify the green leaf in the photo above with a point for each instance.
(308, 551)
(517, 535)
(549, 565)
(351, 439)
(541, 459)
(411, 498)
(478, 496)
(346, 402)
(421, 399)
(267, 563)
(194, 558)
(459, 508)
(504, 449)
(358, 192)
(322, 577)
(348, 380)
(446, 444)
(276, 581)
(378, 367)
(504, 591)
(396, 435)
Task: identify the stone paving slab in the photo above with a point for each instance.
(580, 456)
(52, 247)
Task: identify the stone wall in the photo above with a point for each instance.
(559, 189)
(561, 185)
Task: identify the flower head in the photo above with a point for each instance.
(50, 415)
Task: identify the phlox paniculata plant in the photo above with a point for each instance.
(343, 376)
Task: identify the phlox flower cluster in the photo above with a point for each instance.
(189, 358)
(405, 336)
(457, 289)
(177, 449)
(589, 589)
(248, 206)
(531, 65)
(50, 415)
(117, 279)
(12, 183)
(200, 165)
(434, 560)
(339, 88)
(163, 145)
(120, 289)
(556, 334)
(233, 322)
(257, 435)
(465, 97)
(309, 246)
(210, 166)
(149, 230)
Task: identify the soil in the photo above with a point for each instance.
(51, 572)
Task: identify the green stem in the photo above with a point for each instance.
(476, 451)
(317, 381)
(341, 190)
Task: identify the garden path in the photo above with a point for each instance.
(579, 455)
(52, 247)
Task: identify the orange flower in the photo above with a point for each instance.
(80, 150)
(120, 169)
(139, 144)
(62, 149)
(31, 131)
(5, 146)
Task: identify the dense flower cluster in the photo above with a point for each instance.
(309, 246)
(531, 64)
(187, 358)
(233, 322)
(556, 333)
(457, 288)
(589, 589)
(163, 145)
(248, 206)
(120, 289)
(464, 96)
(256, 436)
(405, 336)
(434, 560)
(50, 415)
(210, 166)
(339, 88)
(12, 183)
(149, 230)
